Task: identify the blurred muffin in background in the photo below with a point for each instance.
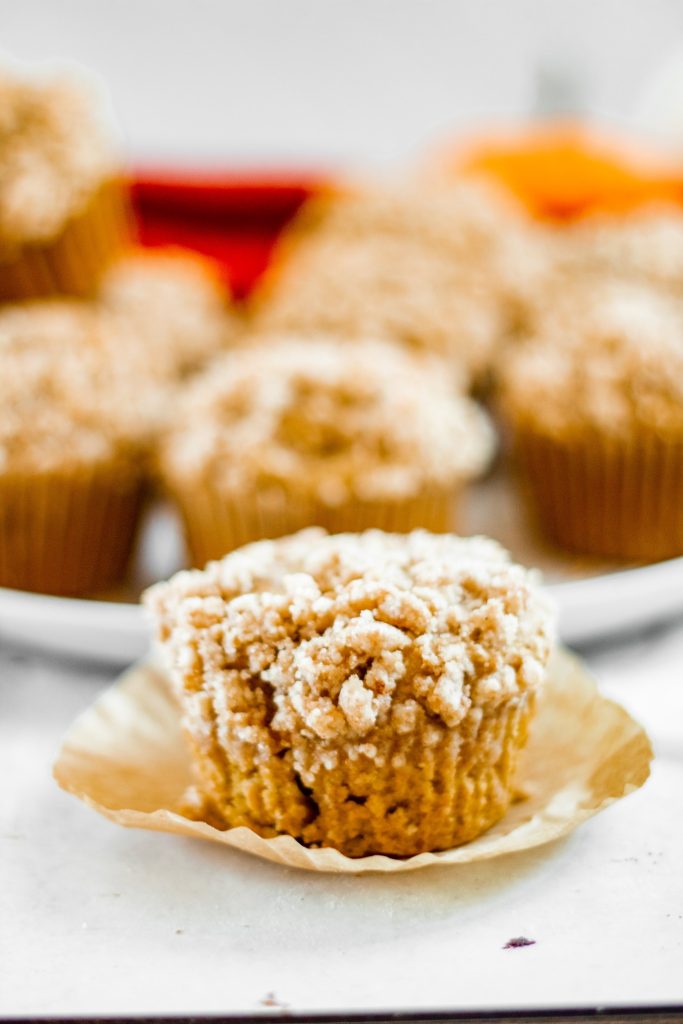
(440, 269)
(63, 207)
(290, 434)
(594, 403)
(369, 692)
(645, 244)
(75, 429)
(177, 304)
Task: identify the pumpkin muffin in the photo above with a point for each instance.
(444, 271)
(595, 407)
(63, 209)
(645, 245)
(369, 692)
(177, 305)
(75, 425)
(292, 434)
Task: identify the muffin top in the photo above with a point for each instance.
(387, 287)
(54, 152)
(67, 397)
(646, 244)
(464, 219)
(341, 635)
(612, 362)
(364, 421)
(176, 300)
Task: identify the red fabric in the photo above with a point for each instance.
(233, 219)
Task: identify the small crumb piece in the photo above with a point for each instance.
(179, 931)
(519, 941)
(270, 999)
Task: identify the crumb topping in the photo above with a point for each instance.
(465, 219)
(646, 244)
(177, 300)
(332, 638)
(610, 356)
(360, 421)
(442, 270)
(66, 394)
(54, 152)
(384, 287)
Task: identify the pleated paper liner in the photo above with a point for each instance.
(126, 758)
(74, 261)
(215, 523)
(71, 531)
(604, 496)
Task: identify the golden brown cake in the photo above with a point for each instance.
(74, 429)
(177, 304)
(292, 434)
(369, 692)
(442, 270)
(63, 210)
(595, 405)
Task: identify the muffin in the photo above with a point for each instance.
(176, 303)
(292, 434)
(441, 270)
(73, 445)
(369, 692)
(645, 245)
(595, 409)
(63, 209)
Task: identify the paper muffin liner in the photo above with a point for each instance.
(126, 758)
(215, 524)
(68, 532)
(610, 497)
(73, 262)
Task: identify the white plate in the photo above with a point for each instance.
(591, 606)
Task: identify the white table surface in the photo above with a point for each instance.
(95, 919)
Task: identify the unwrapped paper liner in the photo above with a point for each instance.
(125, 756)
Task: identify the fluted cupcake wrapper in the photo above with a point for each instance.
(610, 497)
(68, 532)
(215, 524)
(125, 757)
(73, 262)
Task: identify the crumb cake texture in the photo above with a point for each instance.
(645, 245)
(595, 406)
(176, 300)
(73, 449)
(54, 152)
(67, 391)
(608, 359)
(368, 691)
(443, 270)
(290, 434)
(365, 421)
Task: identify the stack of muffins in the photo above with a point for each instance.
(96, 337)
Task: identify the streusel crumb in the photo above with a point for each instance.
(72, 387)
(54, 152)
(176, 303)
(607, 356)
(366, 691)
(334, 422)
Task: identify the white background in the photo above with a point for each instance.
(339, 82)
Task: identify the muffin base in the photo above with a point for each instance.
(412, 796)
(74, 261)
(609, 497)
(68, 533)
(216, 524)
